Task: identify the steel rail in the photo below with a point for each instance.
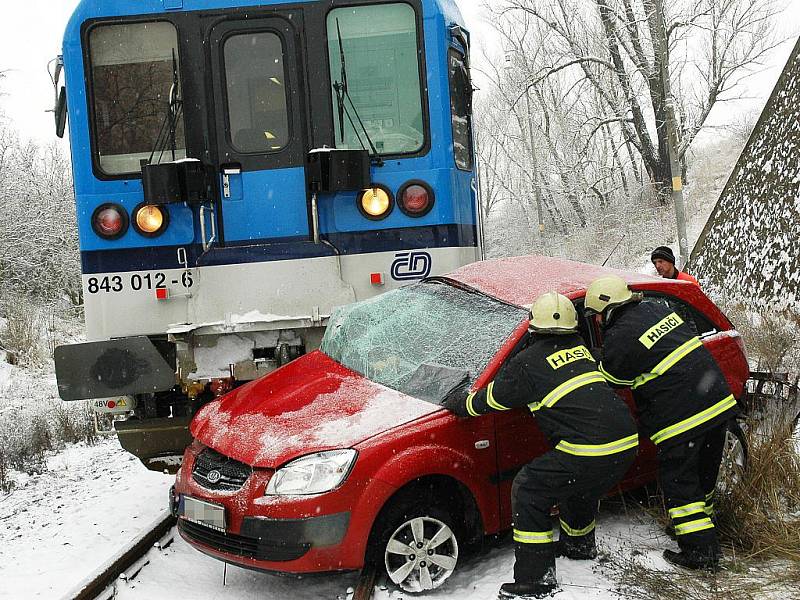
(97, 583)
(366, 584)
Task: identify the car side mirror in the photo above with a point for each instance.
(61, 112)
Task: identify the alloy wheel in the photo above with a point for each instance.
(421, 554)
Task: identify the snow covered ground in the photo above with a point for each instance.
(61, 525)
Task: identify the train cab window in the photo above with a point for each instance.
(461, 110)
(380, 46)
(133, 68)
(255, 82)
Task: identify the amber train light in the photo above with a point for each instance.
(376, 202)
(150, 220)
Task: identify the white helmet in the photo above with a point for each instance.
(553, 313)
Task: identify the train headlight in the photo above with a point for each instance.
(110, 221)
(415, 198)
(150, 220)
(375, 203)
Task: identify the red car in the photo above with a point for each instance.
(345, 456)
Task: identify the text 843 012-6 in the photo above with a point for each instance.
(136, 282)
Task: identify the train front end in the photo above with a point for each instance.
(239, 172)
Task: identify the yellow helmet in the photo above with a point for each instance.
(607, 292)
(554, 313)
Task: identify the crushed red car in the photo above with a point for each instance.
(345, 456)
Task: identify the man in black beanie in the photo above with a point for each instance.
(664, 261)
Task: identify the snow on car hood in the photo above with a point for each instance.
(312, 404)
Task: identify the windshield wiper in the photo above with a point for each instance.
(168, 131)
(343, 94)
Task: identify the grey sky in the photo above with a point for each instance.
(33, 30)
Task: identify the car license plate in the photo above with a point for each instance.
(202, 513)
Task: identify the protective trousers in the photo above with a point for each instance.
(688, 474)
(575, 483)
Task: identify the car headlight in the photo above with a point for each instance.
(312, 474)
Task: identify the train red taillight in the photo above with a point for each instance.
(415, 198)
(110, 221)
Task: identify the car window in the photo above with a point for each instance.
(390, 337)
(697, 322)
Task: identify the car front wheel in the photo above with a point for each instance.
(419, 546)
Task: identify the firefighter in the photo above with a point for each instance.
(592, 431)
(684, 406)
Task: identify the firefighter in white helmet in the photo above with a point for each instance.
(684, 405)
(592, 432)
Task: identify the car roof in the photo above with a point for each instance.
(521, 279)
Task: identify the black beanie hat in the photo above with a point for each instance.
(663, 252)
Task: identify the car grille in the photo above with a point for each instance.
(232, 473)
(239, 545)
(225, 542)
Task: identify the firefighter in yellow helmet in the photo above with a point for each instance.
(592, 432)
(684, 405)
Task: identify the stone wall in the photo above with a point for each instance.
(750, 248)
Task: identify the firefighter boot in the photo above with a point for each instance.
(534, 574)
(580, 547)
(705, 557)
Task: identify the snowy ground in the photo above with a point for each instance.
(57, 527)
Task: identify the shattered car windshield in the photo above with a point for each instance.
(407, 331)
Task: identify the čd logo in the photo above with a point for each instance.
(411, 265)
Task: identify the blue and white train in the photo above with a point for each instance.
(241, 168)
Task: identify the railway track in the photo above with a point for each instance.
(126, 564)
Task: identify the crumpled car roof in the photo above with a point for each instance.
(521, 279)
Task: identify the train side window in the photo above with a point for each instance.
(697, 322)
(461, 109)
(380, 45)
(255, 82)
(132, 72)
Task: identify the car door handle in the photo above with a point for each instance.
(481, 444)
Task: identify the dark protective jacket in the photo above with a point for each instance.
(678, 387)
(557, 378)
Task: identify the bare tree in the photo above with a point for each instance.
(39, 249)
(614, 46)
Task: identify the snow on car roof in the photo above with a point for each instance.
(521, 279)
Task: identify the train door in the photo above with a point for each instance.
(261, 137)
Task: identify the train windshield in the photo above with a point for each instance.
(133, 67)
(380, 47)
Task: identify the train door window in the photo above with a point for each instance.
(461, 110)
(255, 84)
(382, 72)
(698, 323)
(133, 68)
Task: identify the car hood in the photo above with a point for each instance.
(310, 405)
